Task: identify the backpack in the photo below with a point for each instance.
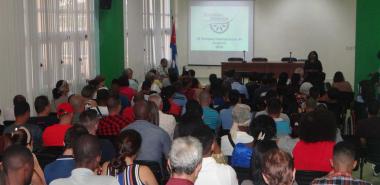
(241, 155)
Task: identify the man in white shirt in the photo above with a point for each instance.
(87, 157)
(212, 172)
(166, 121)
(132, 82)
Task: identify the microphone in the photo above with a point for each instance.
(244, 57)
(290, 57)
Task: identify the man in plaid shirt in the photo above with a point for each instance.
(114, 122)
(343, 163)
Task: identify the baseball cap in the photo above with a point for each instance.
(64, 108)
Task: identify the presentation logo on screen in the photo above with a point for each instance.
(218, 23)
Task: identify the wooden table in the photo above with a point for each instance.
(262, 67)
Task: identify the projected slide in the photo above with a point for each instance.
(219, 28)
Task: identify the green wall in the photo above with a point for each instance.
(111, 40)
(367, 38)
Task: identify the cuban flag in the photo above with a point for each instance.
(173, 46)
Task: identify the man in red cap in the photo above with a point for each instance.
(54, 135)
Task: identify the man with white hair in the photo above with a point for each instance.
(185, 161)
(166, 121)
(241, 117)
(132, 82)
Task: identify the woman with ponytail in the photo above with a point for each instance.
(123, 167)
(60, 94)
(21, 136)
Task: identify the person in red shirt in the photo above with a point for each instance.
(124, 89)
(314, 151)
(54, 135)
(114, 122)
(185, 161)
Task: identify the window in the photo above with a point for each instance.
(61, 43)
(157, 31)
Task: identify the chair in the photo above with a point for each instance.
(306, 177)
(49, 154)
(259, 59)
(235, 59)
(155, 168)
(289, 59)
(371, 153)
(8, 122)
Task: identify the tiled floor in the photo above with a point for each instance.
(368, 175)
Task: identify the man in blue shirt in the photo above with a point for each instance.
(226, 114)
(236, 85)
(62, 167)
(210, 116)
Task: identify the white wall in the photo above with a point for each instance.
(280, 26)
(12, 52)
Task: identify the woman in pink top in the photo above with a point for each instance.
(317, 139)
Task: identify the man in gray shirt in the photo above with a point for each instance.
(155, 141)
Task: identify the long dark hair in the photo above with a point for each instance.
(129, 143)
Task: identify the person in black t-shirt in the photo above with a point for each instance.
(44, 117)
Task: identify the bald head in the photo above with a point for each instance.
(141, 110)
(156, 99)
(204, 98)
(77, 102)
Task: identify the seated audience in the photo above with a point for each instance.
(152, 78)
(241, 117)
(340, 83)
(317, 139)
(54, 135)
(179, 96)
(261, 147)
(63, 165)
(226, 114)
(162, 69)
(274, 110)
(60, 94)
(236, 85)
(9, 114)
(169, 106)
(21, 136)
(132, 82)
(263, 128)
(370, 127)
(123, 166)
(78, 103)
(343, 164)
(166, 121)
(22, 114)
(102, 97)
(87, 153)
(185, 161)
(128, 111)
(156, 142)
(278, 168)
(190, 121)
(210, 116)
(17, 166)
(212, 172)
(89, 94)
(112, 124)
(43, 118)
(125, 90)
(90, 121)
